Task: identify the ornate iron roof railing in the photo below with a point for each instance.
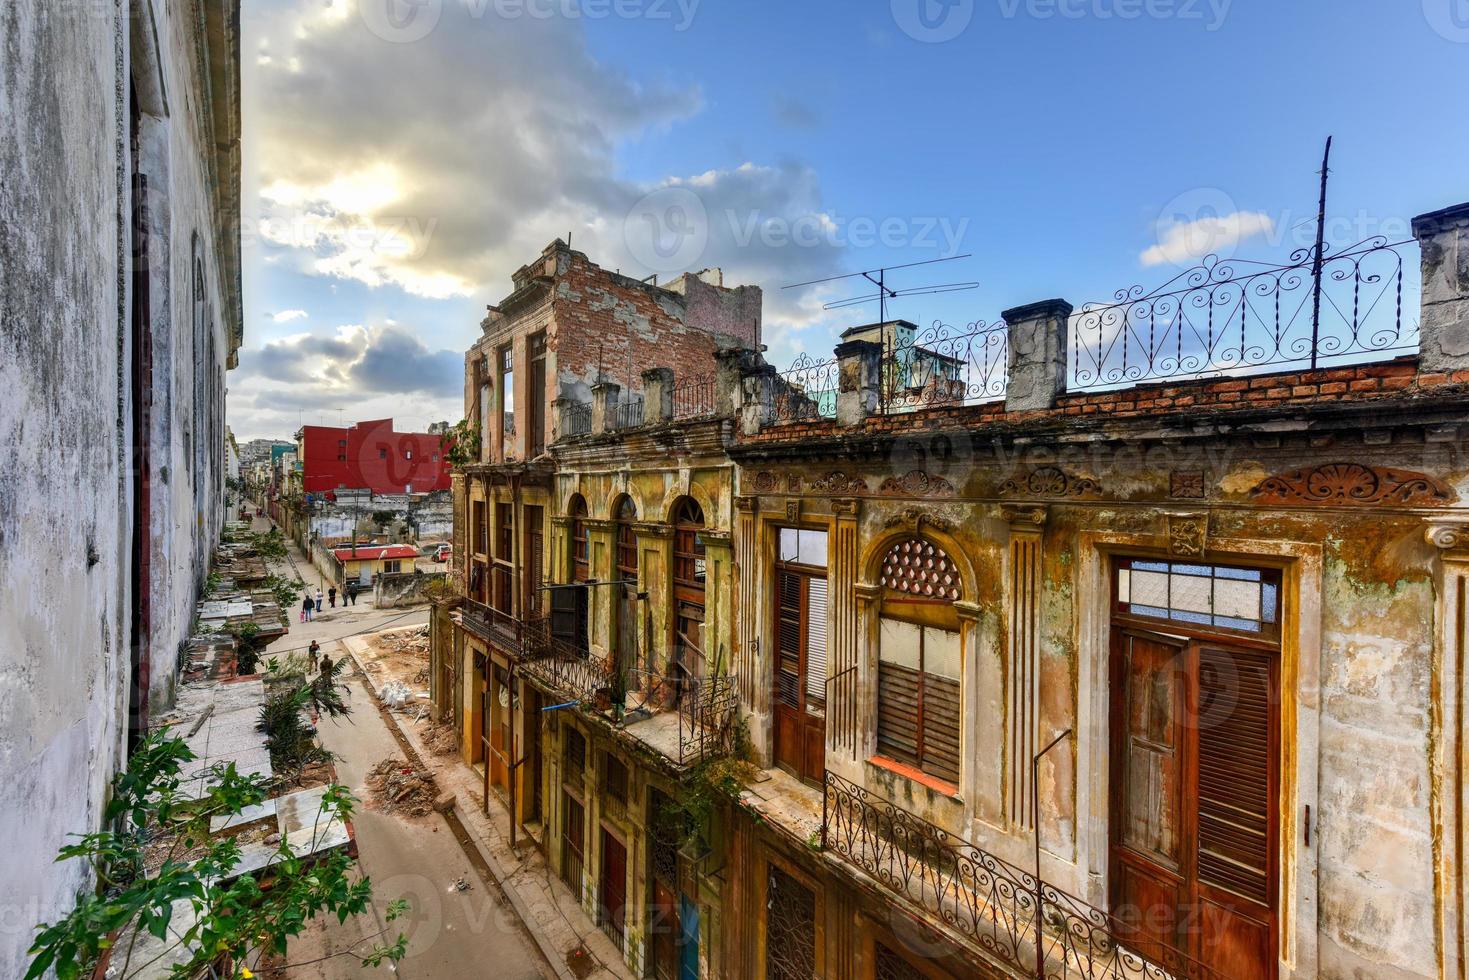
(945, 365)
(805, 392)
(627, 413)
(693, 397)
(577, 419)
(1237, 317)
(988, 901)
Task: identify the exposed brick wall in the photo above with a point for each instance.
(1395, 379)
(601, 324)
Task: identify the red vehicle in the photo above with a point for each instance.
(443, 552)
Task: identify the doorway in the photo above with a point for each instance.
(1195, 777)
(612, 895)
(800, 668)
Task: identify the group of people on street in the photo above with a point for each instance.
(311, 605)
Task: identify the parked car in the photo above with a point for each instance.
(444, 552)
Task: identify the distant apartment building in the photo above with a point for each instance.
(119, 223)
(370, 456)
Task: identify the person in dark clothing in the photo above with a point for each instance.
(315, 651)
(307, 607)
(331, 596)
(352, 593)
(326, 666)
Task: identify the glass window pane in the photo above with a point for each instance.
(1149, 588)
(811, 548)
(788, 544)
(899, 643)
(1192, 594)
(941, 653)
(1239, 600)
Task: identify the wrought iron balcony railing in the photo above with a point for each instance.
(514, 636)
(988, 901)
(707, 712)
(571, 671)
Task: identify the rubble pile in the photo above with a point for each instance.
(399, 788)
(413, 643)
(442, 740)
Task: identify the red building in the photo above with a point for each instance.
(370, 456)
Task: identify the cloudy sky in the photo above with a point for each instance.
(403, 157)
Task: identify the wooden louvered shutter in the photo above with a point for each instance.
(1235, 722)
(788, 649)
(816, 604)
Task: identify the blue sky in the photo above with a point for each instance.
(1074, 146)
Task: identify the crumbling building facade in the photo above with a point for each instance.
(119, 143)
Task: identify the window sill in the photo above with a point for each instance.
(916, 775)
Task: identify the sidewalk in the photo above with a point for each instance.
(542, 900)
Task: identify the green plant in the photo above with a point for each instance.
(270, 545)
(286, 592)
(460, 444)
(289, 739)
(237, 918)
(382, 518)
(211, 584)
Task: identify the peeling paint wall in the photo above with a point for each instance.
(66, 409)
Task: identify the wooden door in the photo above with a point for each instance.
(498, 713)
(1194, 815)
(573, 847)
(800, 674)
(535, 564)
(613, 893)
(664, 924)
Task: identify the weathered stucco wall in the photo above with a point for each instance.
(66, 409)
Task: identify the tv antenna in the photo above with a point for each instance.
(878, 278)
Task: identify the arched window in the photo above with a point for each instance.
(920, 660)
(581, 546)
(627, 545)
(628, 607)
(688, 587)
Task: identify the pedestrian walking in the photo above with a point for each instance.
(306, 607)
(352, 593)
(315, 651)
(326, 666)
(331, 597)
(318, 598)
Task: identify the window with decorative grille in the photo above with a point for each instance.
(920, 660)
(575, 752)
(790, 928)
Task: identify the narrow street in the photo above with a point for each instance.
(453, 930)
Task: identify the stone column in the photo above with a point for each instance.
(657, 396)
(604, 406)
(1023, 683)
(719, 638)
(1450, 734)
(842, 727)
(655, 571)
(1037, 354)
(1444, 327)
(749, 657)
(859, 368)
(602, 540)
(757, 399)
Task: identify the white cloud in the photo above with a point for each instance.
(286, 316)
(1182, 242)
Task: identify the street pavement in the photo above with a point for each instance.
(455, 930)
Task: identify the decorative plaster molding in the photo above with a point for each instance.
(1186, 484)
(837, 483)
(1020, 516)
(748, 505)
(793, 509)
(793, 483)
(651, 529)
(1050, 481)
(1449, 534)
(1188, 535)
(846, 507)
(917, 483)
(1353, 483)
(765, 482)
(914, 519)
